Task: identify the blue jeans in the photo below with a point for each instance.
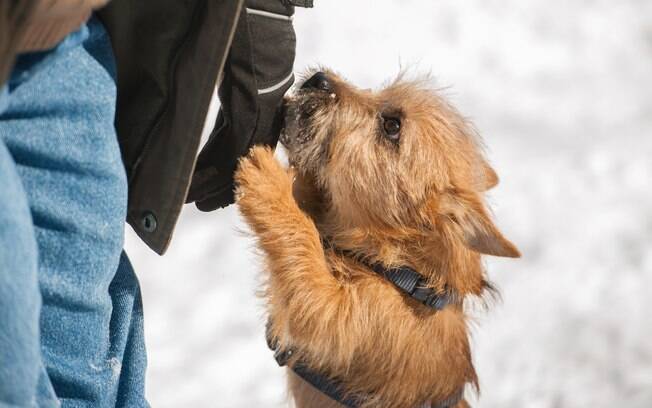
(71, 323)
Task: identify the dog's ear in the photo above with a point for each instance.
(490, 176)
(473, 223)
(485, 177)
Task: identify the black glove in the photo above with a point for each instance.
(257, 74)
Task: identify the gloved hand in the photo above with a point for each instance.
(256, 76)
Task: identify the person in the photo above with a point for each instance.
(101, 112)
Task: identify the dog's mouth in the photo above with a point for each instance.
(288, 128)
(284, 139)
(296, 127)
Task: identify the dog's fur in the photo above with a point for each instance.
(416, 202)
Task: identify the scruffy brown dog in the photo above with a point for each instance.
(392, 178)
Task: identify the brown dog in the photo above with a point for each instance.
(392, 178)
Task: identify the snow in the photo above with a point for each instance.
(561, 92)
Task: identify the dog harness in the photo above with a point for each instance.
(406, 280)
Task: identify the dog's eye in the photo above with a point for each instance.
(392, 128)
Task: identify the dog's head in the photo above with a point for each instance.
(401, 157)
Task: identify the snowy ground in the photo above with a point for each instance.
(562, 93)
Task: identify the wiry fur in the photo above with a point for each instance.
(417, 203)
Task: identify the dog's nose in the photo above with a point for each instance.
(319, 81)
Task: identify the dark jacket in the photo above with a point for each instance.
(170, 54)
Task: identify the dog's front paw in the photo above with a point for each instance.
(261, 180)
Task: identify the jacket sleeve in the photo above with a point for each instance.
(258, 72)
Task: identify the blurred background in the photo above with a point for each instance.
(562, 94)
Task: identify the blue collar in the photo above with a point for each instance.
(406, 279)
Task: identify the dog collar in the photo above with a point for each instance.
(406, 279)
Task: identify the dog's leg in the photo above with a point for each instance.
(300, 278)
(300, 281)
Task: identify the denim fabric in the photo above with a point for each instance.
(4, 98)
(71, 329)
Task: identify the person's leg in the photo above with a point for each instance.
(4, 97)
(20, 299)
(59, 129)
(127, 330)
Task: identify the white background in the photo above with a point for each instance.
(561, 92)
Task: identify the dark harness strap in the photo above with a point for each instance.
(406, 280)
(328, 387)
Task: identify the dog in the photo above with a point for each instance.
(379, 181)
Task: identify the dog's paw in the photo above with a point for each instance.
(261, 177)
